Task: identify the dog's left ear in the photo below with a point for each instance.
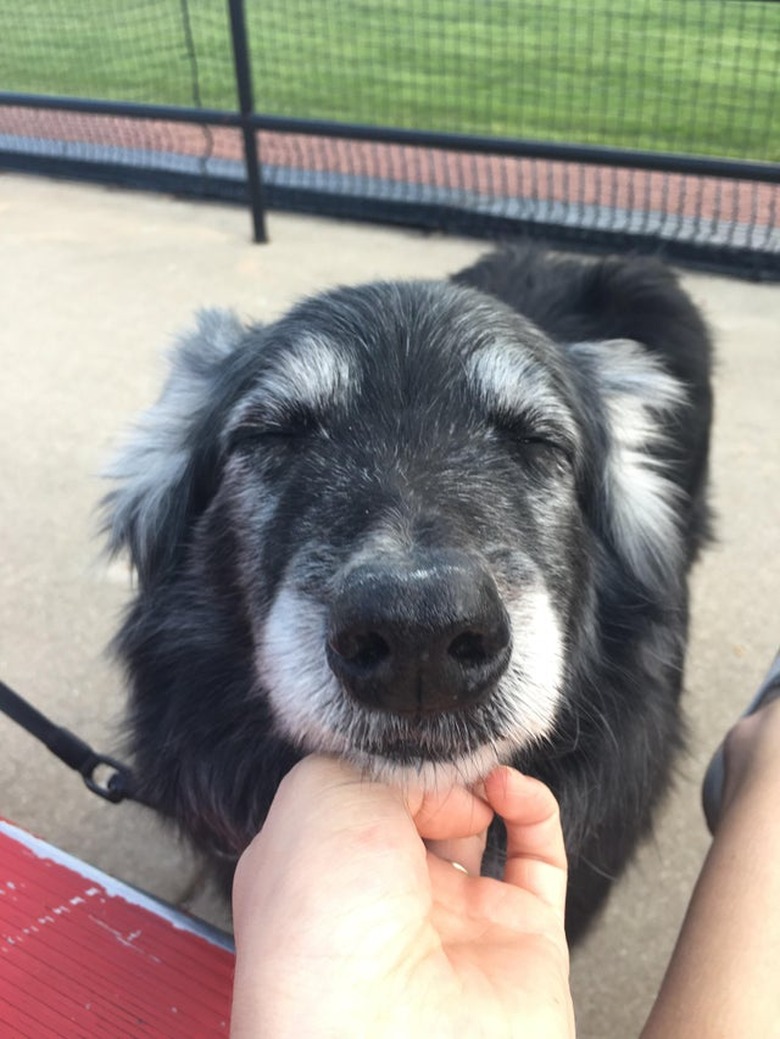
(164, 470)
(635, 403)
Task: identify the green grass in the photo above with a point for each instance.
(698, 76)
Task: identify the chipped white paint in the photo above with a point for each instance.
(109, 886)
(125, 939)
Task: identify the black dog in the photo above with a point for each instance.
(429, 527)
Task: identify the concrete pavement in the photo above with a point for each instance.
(93, 285)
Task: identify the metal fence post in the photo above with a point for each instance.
(243, 69)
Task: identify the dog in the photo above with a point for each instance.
(429, 527)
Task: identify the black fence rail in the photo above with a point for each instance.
(649, 124)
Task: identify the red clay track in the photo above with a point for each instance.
(678, 195)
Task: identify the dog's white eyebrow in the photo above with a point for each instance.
(511, 382)
(311, 375)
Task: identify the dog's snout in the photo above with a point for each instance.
(419, 639)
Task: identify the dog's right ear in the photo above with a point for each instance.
(164, 470)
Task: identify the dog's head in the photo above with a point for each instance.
(404, 490)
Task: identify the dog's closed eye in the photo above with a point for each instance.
(545, 456)
(280, 428)
(538, 446)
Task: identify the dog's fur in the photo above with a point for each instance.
(537, 429)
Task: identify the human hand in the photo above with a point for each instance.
(347, 925)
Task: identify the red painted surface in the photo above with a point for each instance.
(82, 955)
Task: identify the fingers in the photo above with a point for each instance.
(449, 815)
(536, 856)
(467, 851)
(324, 800)
(331, 784)
(324, 797)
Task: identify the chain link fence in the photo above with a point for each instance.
(649, 124)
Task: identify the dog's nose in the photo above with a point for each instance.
(419, 639)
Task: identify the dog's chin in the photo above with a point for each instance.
(405, 767)
(426, 752)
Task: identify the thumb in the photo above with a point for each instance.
(326, 813)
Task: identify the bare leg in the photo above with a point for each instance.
(722, 980)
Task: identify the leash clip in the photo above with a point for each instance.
(114, 787)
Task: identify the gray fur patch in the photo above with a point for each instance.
(639, 497)
(153, 461)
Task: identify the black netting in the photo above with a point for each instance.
(697, 76)
(672, 78)
(174, 52)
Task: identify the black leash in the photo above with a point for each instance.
(118, 785)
